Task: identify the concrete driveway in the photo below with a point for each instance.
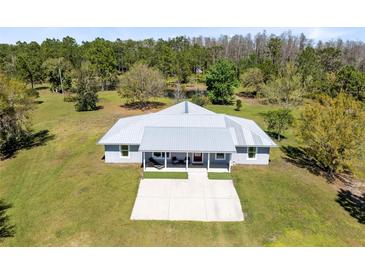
(195, 199)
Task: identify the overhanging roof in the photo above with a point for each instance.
(184, 139)
(242, 132)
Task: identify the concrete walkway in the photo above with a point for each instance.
(195, 199)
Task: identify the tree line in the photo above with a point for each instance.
(58, 61)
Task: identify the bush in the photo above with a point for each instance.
(238, 105)
(69, 97)
(200, 100)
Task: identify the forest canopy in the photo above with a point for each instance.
(325, 67)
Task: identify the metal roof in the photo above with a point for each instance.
(248, 133)
(242, 132)
(185, 139)
(181, 108)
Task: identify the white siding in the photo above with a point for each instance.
(241, 157)
(112, 154)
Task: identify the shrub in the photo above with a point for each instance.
(200, 100)
(238, 104)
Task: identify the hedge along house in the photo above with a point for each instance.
(186, 136)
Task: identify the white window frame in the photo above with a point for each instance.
(161, 157)
(220, 159)
(120, 151)
(248, 157)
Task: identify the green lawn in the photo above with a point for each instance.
(63, 194)
(165, 175)
(219, 176)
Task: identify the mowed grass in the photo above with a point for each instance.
(165, 175)
(63, 194)
(219, 176)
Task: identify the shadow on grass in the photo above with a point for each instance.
(274, 135)
(300, 158)
(29, 141)
(143, 106)
(6, 230)
(41, 87)
(249, 95)
(353, 204)
(89, 110)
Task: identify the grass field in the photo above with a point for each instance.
(165, 175)
(63, 194)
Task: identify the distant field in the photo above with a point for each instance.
(63, 194)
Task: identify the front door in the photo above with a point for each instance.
(198, 158)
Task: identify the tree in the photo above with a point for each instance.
(352, 82)
(278, 121)
(309, 65)
(330, 59)
(101, 55)
(221, 80)
(141, 83)
(29, 62)
(87, 96)
(269, 69)
(58, 73)
(179, 92)
(70, 51)
(238, 104)
(334, 132)
(251, 61)
(275, 46)
(287, 89)
(252, 80)
(15, 104)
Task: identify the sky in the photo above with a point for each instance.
(12, 35)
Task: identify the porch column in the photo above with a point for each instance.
(144, 160)
(208, 161)
(165, 160)
(229, 163)
(187, 161)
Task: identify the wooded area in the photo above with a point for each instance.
(324, 66)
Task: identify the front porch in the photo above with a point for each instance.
(189, 161)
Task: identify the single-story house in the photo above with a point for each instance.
(186, 136)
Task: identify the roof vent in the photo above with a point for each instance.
(186, 107)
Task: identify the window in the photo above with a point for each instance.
(124, 151)
(161, 155)
(220, 156)
(252, 153)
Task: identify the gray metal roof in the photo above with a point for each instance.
(185, 139)
(181, 108)
(242, 132)
(248, 133)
